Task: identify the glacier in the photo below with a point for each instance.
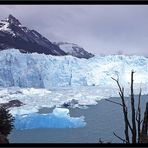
(47, 71)
(39, 80)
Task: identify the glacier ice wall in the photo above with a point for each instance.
(46, 71)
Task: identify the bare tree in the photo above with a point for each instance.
(136, 116)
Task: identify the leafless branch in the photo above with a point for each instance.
(130, 126)
(117, 84)
(124, 108)
(138, 116)
(114, 102)
(145, 121)
(141, 121)
(133, 110)
(123, 140)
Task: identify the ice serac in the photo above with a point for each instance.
(74, 50)
(14, 35)
(46, 71)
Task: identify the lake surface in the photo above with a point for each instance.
(102, 120)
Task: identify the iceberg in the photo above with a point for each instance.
(60, 118)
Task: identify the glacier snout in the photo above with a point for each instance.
(46, 71)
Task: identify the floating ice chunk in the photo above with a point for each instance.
(60, 118)
(23, 110)
(61, 112)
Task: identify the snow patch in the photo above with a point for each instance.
(5, 27)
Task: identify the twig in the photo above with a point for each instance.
(119, 137)
(141, 121)
(117, 84)
(100, 140)
(114, 102)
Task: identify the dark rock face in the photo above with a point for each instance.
(81, 53)
(13, 20)
(14, 35)
(74, 50)
(12, 103)
(70, 104)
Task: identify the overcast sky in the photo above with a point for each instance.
(100, 29)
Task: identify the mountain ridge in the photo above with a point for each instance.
(74, 50)
(14, 35)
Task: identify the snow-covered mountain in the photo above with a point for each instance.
(74, 50)
(14, 35)
(46, 71)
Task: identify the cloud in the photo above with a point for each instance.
(101, 29)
